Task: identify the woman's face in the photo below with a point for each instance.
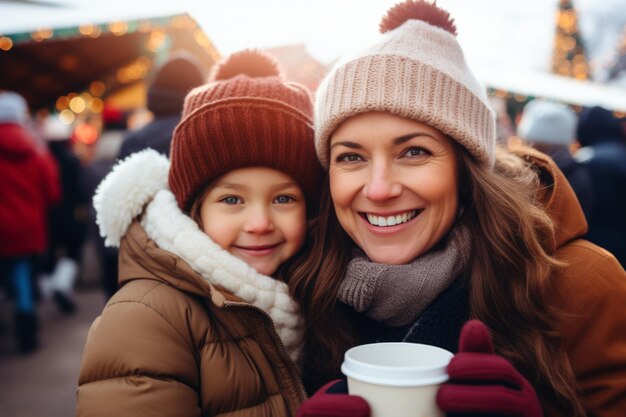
(393, 183)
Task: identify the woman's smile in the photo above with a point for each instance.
(389, 220)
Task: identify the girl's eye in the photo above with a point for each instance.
(416, 151)
(349, 157)
(232, 200)
(284, 199)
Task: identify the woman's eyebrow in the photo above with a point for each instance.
(397, 141)
(404, 138)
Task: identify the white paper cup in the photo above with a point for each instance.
(397, 379)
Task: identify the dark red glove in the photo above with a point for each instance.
(327, 404)
(482, 382)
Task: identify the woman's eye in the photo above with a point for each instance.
(349, 157)
(284, 199)
(231, 200)
(415, 151)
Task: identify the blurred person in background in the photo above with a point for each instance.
(68, 218)
(114, 127)
(551, 128)
(29, 186)
(166, 94)
(603, 152)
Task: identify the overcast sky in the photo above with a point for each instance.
(495, 33)
(492, 32)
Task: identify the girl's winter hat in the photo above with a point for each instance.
(247, 115)
(417, 71)
(13, 108)
(547, 123)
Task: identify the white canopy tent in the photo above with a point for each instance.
(547, 85)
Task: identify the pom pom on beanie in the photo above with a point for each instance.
(418, 10)
(248, 62)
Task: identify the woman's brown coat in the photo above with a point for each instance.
(591, 292)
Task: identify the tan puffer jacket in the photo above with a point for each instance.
(193, 331)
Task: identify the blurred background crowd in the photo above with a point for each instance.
(80, 94)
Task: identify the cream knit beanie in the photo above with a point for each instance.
(417, 71)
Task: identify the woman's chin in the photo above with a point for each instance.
(391, 256)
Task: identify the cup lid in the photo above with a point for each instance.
(398, 364)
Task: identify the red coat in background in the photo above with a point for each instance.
(29, 185)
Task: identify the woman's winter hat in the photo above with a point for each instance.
(417, 71)
(13, 108)
(247, 115)
(547, 123)
(171, 83)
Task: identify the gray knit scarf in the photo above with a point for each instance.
(397, 294)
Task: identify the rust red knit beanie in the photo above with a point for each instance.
(247, 115)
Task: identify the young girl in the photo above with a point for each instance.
(199, 327)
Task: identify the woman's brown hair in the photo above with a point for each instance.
(314, 283)
(512, 261)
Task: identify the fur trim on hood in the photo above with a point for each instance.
(124, 192)
(140, 181)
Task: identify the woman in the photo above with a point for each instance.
(437, 226)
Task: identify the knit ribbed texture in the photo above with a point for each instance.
(243, 121)
(416, 71)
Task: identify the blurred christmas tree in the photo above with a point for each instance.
(569, 55)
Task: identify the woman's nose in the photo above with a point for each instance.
(381, 184)
(259, 221)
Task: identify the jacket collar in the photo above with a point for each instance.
(139, 183)
(557, 196)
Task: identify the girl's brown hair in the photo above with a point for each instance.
(315, 284)
(512, 261)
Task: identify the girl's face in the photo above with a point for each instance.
(393, 183)
(257, 214)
